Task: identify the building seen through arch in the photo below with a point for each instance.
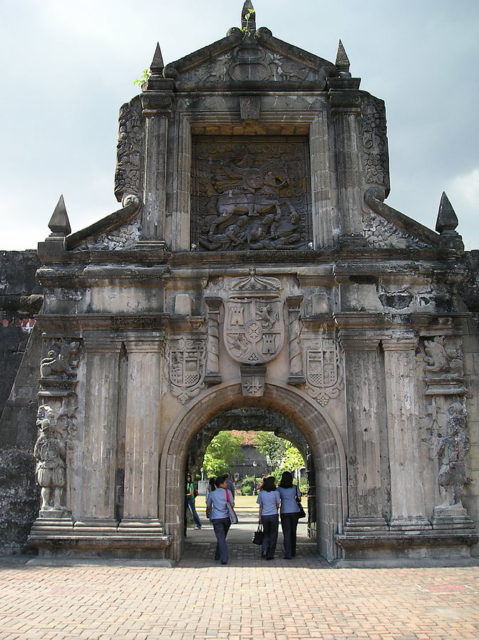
(255, 265)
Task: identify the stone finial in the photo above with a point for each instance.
(59, 223)
(342, 61)
(248, 17)
(157, 64)
(446, 218)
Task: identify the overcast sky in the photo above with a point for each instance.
(68, 65)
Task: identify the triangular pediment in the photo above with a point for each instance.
(250, 58)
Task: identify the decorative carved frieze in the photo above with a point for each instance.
(250, 193)
(253, 325)
(323, 367)
(379, 232)
(251, 62)
(374, 141)
(186, 358)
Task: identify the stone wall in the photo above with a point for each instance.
(20, 344)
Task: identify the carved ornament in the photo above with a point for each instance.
(186, 357)
(323, 368)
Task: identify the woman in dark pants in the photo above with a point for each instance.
(289, 513)
(217, 511)
(269, 500)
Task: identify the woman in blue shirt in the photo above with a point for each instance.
(289, 513)
(217, 511)
(269, 501)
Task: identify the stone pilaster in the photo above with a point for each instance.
(364, 416)
(156, 109)
(142, 441)
(296, 373)
(213, 375)
(100, 433)
(345, 109)
(407, 495)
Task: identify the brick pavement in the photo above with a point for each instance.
(249, 599)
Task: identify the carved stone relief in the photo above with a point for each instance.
(449, 444)
(443, 366)
(129, 149)
(186, 358)
(323, 367)
(250, 193)
(253, 321)
(250, 61)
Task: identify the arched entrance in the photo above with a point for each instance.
(322, 437)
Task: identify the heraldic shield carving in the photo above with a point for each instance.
(186, 358)
(254, 322)
(324, 373)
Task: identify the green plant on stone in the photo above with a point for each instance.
(143, 78)
(247, 16)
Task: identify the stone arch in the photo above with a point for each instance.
(321, 434)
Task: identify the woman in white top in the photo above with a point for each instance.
(269, 500)
(289, 513)
(217, 511)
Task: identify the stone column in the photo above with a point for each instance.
(142, 440)
(407, 495)
(364, 414)
(345, 109)
(100, 433)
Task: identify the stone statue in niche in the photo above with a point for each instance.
(49, 452)
(250, 194)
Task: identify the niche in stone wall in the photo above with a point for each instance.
(250, 193)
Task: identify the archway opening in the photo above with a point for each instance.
(286, 408)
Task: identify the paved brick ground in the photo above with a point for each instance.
(249, 599)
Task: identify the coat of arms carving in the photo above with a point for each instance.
(186, 360)
(324, 372)
(254, 322)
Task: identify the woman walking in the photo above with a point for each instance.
(269, 500)
(190, 500)
(217, 511)
(289, 513)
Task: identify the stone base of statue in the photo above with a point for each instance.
(452, 518)
(99, 538)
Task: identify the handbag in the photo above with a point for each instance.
(231, 512)
(258, 535)
(302, 513)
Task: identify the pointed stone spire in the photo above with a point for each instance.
(59, 223)
(157, 64)
(446, 218)
(342, 61)
(248, 17)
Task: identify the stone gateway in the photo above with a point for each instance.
(254, 265)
